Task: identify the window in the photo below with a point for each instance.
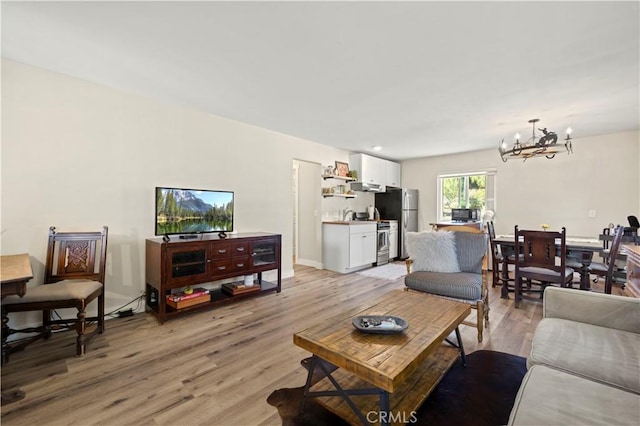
(474, 190)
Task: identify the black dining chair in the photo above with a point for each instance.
(535, 262)
(607, 268)
(502, 257)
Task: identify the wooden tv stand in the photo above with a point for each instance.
(181, 263)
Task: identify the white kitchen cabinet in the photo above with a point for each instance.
(393, 174)
(393, 239)
(348, 246)
(374, 170)
(370, 169)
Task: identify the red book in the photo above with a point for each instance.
(197, 292)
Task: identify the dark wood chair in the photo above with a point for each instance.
(502, 258)
(608, 267)
(496, 256)
(535, 262)
(74, 277)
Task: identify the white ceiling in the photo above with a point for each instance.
(417, 78)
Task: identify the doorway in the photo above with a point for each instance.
(307, 228)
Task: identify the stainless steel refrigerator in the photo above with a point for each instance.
(400, 204)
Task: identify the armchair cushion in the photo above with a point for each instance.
(461, 285)
(470, 249)
(433, 251)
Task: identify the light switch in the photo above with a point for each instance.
(592, 213)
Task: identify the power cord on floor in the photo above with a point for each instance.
(116, 313)
(121, 312)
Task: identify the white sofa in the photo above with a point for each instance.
(584, 366)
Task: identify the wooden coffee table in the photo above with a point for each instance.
(389, 375)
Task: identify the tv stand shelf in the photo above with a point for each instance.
(180, 263)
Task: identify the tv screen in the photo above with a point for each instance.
(190, 211)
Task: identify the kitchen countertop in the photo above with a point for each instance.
(354, 222)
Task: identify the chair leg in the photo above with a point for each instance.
(480, 319)
(100, 314)
(46, 324)
(5, 335)
(81, 328)
(486, 309)
(494, 276)
(516, 292)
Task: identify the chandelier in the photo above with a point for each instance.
(543, 146)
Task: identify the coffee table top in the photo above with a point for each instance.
(385, 361)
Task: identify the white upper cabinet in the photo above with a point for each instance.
(370, 169)
(374, 170)
(392, 174)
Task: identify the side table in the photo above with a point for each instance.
(15, 272)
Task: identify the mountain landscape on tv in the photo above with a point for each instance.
(185, 211)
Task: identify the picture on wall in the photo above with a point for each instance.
(342, 169)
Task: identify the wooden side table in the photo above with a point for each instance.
(15, 272)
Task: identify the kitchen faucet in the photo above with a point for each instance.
(347, 213)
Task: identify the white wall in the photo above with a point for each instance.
(78, 155)
(602, 174)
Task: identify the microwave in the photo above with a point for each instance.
(465, 215)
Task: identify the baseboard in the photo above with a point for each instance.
(311, 263)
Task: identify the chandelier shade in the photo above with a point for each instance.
(543, 146)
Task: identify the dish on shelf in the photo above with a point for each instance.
(380, 324)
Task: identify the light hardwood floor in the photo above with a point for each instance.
(210, 368)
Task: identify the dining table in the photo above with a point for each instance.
(581, 249)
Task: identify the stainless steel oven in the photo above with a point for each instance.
(383, 243)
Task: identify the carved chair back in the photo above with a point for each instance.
(76, 255)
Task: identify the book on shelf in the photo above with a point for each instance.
(197, 292)
(181, 304)
(239, 288)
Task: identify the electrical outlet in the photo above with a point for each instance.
(592, 213)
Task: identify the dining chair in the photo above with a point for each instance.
(74, 277)
(502, 257)
(535, 261)
(607, 268)
(496, 256)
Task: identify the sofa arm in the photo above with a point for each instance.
(604, 310)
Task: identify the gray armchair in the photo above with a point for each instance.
(451, 265)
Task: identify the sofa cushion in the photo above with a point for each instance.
(433, 251)
(552, 397)
(459, 285)
(607, 355)
(470, 248)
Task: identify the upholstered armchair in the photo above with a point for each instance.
(451, 265)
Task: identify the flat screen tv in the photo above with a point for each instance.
(193, 211)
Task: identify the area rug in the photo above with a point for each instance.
(482, 393)
(390, 271)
